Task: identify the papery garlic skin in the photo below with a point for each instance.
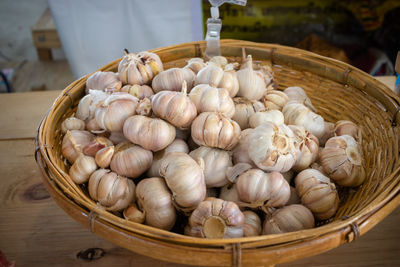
(212, 99)
(116, 108)
(73, 143)
(317, 193)
(177, 145)
(263, 116)
(307, 145)
(139, 91)
(133, 214)
(82, 168)
(72, 123)
(154, 197)
(150, 133)
(215, 130)
(244, 109)
(216, 161)
(274, 99)
(298, 114)
(289, 219)
(112, 191)
(272, 147)
(174, 107)
(252, 83)
(89, 103)
(130, 160)
(172, 79)
(241, 151)
(195, 64)
(263, 189)
(342, 161)
(344, 127)
(139, 68)
(298, 95)
(104, 156)
(216, 218)
(229, 193)
(185, 179)
(103, 81)
(252, 224)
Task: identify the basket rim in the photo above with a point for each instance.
(151, 232)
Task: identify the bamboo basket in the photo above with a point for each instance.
(337, 90)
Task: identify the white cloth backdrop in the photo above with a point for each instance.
(95, 32)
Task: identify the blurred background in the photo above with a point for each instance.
(46, 44)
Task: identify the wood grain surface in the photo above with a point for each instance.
(34, 231)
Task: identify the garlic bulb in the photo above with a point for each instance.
(215, 130)
(252, 224)
(73, 143)
(177, 145)
(112, 191)
(144, 107)
(154, 197)
(342, 161)
(258, 188)
(103, 81)
(329, 131)
(134, 214)
(89, 103)
(139, 91)
(240, 154)
(272, 147)
(216, 218)
(195, 64)
(117, 137)
(296, 94)
(150, 133)
(185, 179)
(244, 108)
(265, 115)
(219, 61)
(116, 108)
(130, 160)
(344, 127)
(208, 98)
(95, 145)
(307, 145)
(252, 83)
(172, 79)
(317, 193)
(294, 197)
(229, 80)
(289, 219)
(174, 107)
(274, 99)
(216, 161)
(298, 114)
(104, 156)
(139, 68)
(229, 193)
(72, 123)
(82, 168)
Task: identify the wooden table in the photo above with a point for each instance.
(34, 231)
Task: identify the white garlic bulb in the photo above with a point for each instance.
(317, 193)
(289, 219)
(150, 133)
(259, 189)
(296, 94)
(185, 179)
(244, 108)
(342, 161)
(208, 98)
(116, 108)
(229, 193)
(274, 99)
(252, 224)
(307, 145)
(174, 107)
(130, 160)
(172, 80)
(265, 115)
(82, 168)
(216, 161)
(195, 64)
(177, 145)
(272, 147)
(240, 154)
(252, 83)
(139, 91)
(298, 114)
(112, 191)
(103, 81)
(72, 123)
(134, 214)
(154, 197)
(73, 143)
(216, 218)
(215, 130)
(89, 103)
(344, 127)
(220, 61)
(139, 68)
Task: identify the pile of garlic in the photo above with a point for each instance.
(212, 143)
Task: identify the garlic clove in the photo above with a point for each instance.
(72, 123)
(82, 168)
(144, 107)
(89, 103)
(73, 143)
(139, 91)
(134, 214)
(94, 146)
(307, 145)
(298, 95)
(93, 126)
(195, 64)
(274, 99)
(244, 109)
(211, 74)
(219, 61)
(103, 156)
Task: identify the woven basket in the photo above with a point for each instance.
(337, 90)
